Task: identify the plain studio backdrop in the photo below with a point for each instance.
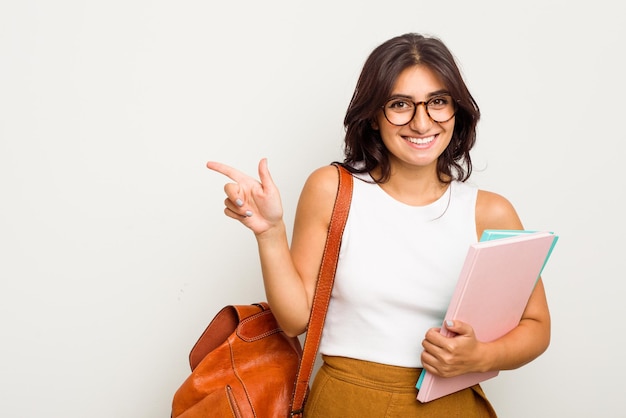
(115, 253)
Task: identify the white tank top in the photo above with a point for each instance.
(398, 267)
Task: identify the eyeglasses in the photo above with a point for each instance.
(400, 111)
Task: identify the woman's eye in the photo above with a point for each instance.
(400, 105)
(439, 101)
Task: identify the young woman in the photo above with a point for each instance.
(410, 127)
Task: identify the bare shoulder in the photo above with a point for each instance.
(323, 180)
(318, 194)
(494, 211)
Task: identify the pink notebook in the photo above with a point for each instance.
(494, 286)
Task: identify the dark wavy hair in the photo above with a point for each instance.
(364, 149)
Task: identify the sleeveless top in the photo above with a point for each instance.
(398, 267)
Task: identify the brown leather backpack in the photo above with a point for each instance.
(240, 359)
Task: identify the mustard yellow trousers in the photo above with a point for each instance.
(348, 388)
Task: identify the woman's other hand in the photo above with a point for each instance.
(450, 356)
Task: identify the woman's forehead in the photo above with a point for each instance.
(418, 81)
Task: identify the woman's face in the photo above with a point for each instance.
(420, 142)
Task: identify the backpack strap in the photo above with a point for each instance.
(323, 289)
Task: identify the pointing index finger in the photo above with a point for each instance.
(226, 170)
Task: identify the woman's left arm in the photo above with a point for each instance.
(453, 356)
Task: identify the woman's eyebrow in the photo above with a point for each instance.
(435, 93)
(440, 92)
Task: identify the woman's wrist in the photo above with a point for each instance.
(274, 232)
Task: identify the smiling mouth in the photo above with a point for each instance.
(420, 141)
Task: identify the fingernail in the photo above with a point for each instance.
(449, 323)
(248, 213)
(239, 202)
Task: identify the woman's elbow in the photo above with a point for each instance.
(291, 326)
(293, 331)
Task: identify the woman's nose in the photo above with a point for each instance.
(421, 121)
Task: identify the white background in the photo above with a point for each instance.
(115, 254)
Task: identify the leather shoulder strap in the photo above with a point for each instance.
(323, 289)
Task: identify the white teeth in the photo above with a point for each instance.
(421, 141)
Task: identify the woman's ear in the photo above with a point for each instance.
(374, 124)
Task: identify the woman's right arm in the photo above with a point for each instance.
(289, 275)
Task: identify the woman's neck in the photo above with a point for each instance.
(417, 186)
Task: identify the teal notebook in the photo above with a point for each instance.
(491, 234)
